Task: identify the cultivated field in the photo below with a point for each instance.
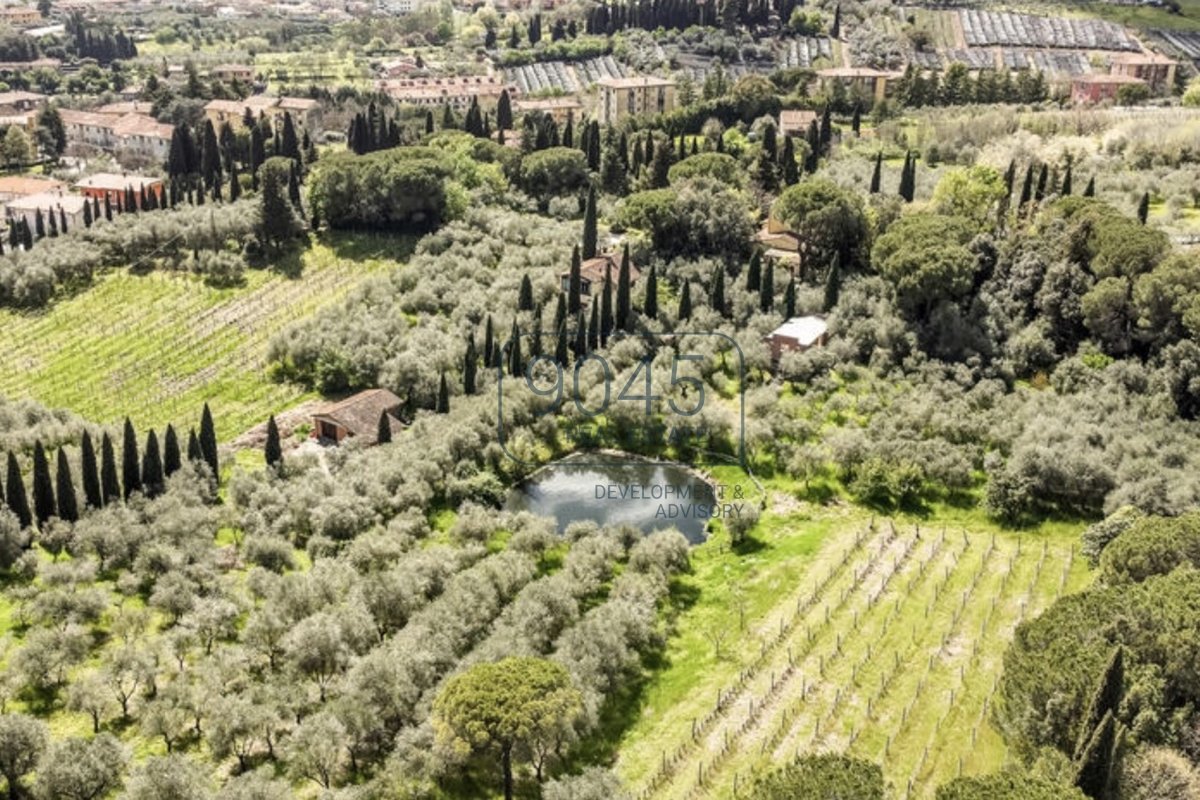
(156, 347)
(888, 646)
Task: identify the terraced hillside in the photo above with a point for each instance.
(888, 647)
(156, 347)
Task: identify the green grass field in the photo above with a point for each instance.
(157, 347)
(840, 632)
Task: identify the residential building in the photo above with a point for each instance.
(1156, 70)
(1100, 88)
(560, 108)
(594, 272)
(114, 186)
(858, 81)
(306, 113)
(625, 97)
(456, 92)
(358, 417)
(16, 186)
(71, 205)
(20, 16)
(19, 102)
(779, 244)
(125, 134)
(797, 335)
(796, 122)
(233, 72)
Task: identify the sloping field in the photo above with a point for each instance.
(888, 647)
(156, 347)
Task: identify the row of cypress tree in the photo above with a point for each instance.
(142, 472)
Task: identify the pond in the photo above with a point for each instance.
(613, 490)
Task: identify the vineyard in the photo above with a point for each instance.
(889, 647)
(155, 347)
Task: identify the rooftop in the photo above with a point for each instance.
(113, 182)
(24, 185)
(805, 331)
(639, 82)
(360, 413)
(71, 203)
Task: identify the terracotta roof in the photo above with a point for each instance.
(1141, 58)
(24, 185)
(72, 117)
(127, 107)
(113, 182)
(596, 269)
(142, 125)
(1099, 78)
(71, 203)
(12, 98)
(359, 414)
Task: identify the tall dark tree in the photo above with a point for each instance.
(685, 301)
(580, 347)
(716, 296)
(516, 364)
(1090, 189)
(1026, 188)
(68, 507)
(575, 283)
(593, 336)
(1096, 767)
(1106, 697)
(489, 342)
(208, 442)
(1065, 191)
(273, 448)
(152, 468)
(789, 299)
(90, 472)
(44, 506)
(877, 174)
(470, 365)
(835, 30)
(443, 398)
(383, 431)
(624, 312)
(833, 282)
(110, 485)
(172, 456)
(1143, 208)
(195, 453)
(525, 295)
(1039, 192)
(766, 290)
(289, 142)
(14, 492)
(606, 306)
(504, 113)
(650, 304)
(754, 272)
(790, 171)
(131, 468)
(210, 156)
(589, 226)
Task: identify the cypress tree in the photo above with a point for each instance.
(194, 452)
(575, 282)
(208, 442)
(515, 361)
(470, 365)
(90, 472)
(1043, 176)
(877, 175)
(835, 30)
(1090, 189)
(560, 344)
(131, 471)
(1026, 187)
(152, 467)
(717, 296)
(606, 306)
(589, 225)
(109, 484)
(580, 346)
(766, 290)
(560, 310)
(87, 214)
(789, 299)
(525, 295)
(791, 173)
(383, 431)
(1106, 697)
(650, 304)
(172, 457)
(68, 508)
(1143, 208)
(594, 329)
(443, 398)
(504, 115)
(1095, 768)
(44, 506)
(685, 301)
(833, 282)
(14, 492)
(1010, 177)
(856, 120)
(1066, 183)
(754, 272)
(273, 448)
(624, 319)
(488, 342)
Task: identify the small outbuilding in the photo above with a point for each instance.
(358, 416)
(595, 272)
(797, 335)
